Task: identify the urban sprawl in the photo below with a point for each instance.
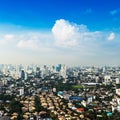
(59, 92)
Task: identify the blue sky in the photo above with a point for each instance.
(73, 32)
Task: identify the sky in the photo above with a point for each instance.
(71, 32)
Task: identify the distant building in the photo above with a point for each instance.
(107, 79)
(118, 86)
(58, 68)
(26, 76)
(63, 71)
(22, 74)
(89, 99)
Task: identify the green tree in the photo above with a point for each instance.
(38, 107)
(16, 106)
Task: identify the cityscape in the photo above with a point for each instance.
(59, 60)
(60, 92)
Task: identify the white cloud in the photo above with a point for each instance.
(37, 41)
(29, 44)
(67, 34)
(32, 40)
(78, 40)
(111, 36)
(9, 36)
(29, 40)
(6, 38)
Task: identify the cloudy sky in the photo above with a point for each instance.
(74, 32)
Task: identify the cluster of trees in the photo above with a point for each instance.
(16, 106)
(12, 104)
(38, 107)
(5, 97)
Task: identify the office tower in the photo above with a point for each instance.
(118, 86)
(63, 71)
(22, 74)
(58, 68)
(38, 73)
(107, 79)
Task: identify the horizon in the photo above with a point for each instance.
(55, 65)
(74, 32)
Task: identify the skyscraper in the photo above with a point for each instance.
(22, 74)
(118, 86)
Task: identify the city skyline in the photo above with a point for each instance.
(68, 32)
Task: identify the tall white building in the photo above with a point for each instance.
(107, 79)
(63, 71)
(118, 86)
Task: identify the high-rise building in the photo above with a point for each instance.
(58, 68)
(38, 74)
(22, 74)
(63, 71)
(107, 79)
(118, 86)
